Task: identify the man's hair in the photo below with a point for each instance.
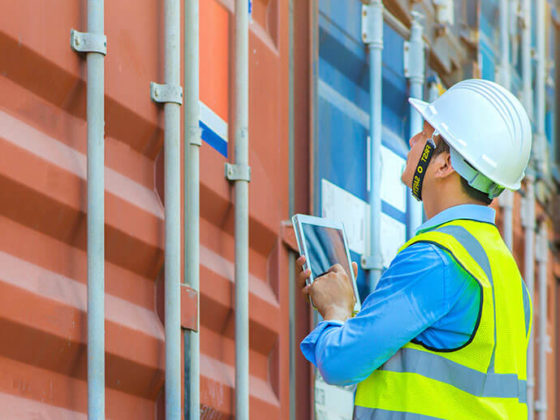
(473, 193)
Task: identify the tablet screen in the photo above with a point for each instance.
(325, 248)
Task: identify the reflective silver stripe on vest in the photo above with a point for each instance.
(441, 369)
(477, 252)
(365, 413)
(471, 245)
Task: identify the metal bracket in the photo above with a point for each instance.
(541, 245)
(166, 93)
(372, 23)
(238, 172)
(414, 59)
(540, 406)
(527, 214)
(189, 308)
(86, 42)
(372, 262)
(194, 135)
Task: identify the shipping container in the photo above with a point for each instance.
(43, 211)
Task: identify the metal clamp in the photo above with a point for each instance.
(372, 23)
(193, 134)
(166, 93)
(414, 60)
(527, 214)
(86, 42)
(238, 172)
(372, 262)
(541, 246)
(540, 406)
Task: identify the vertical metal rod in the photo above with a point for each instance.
(504, 78)
(540, 154)
(241, 211)
(373, 262)
(504, 72)
(416, 63)
(172, 216)
(96, 218)
(542, 258)
(540, 80)
(529, 211)
(192, 201)
(291, 210)
(526, 68)
(529, 258)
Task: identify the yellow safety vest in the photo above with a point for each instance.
(484, 379)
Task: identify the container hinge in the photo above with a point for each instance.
(85, 42)
(166, 93)
(372, 24)
(238, 172)
(372, 262)
(414, 61)
(540, 406)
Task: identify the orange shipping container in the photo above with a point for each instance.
(43, 206)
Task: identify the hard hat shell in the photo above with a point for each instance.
(486, 125)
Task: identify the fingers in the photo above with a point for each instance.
(299, 262)
(302, 275)
(302, 278)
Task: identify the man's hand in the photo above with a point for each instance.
(332, 294)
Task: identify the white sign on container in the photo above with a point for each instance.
(338, 204)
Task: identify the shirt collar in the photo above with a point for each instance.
(475, 212)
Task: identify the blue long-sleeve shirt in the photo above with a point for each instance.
(424, 294)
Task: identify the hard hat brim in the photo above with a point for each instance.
(419, 106)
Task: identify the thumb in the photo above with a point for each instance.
(335, 269)
(355, 269)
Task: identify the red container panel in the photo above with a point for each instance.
(43, 202)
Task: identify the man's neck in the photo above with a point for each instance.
(436, 206)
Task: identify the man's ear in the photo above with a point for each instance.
(442, 165)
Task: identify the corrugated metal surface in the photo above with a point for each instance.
(341, 141)
(341, 148)
(43, 202)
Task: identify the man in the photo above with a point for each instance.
(445, 333)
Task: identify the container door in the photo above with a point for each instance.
(341, 144)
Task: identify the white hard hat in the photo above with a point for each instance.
(488, 131)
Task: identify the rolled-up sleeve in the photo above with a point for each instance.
(409, 298)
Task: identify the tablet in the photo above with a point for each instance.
(323, 242)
